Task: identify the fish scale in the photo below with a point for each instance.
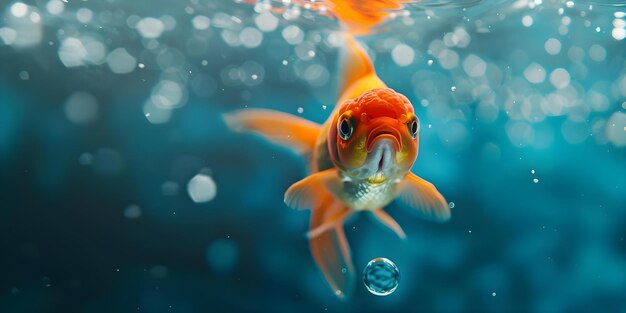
(367, 196)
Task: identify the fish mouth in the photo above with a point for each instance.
(384, 131)
(381, 161)
(377, 178)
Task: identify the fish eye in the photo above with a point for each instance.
(345, 129)
(414, 127)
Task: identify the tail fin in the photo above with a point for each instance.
(359, 16)
(358, 71)
(278, 127)
(356, 63)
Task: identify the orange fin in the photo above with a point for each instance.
(327, 240)
(388, 221)
(278, 127)
(358, 71)
(337, 218)
(330, 248)
(421, 196)
(357, 63)
(306, 193)
(360, 16)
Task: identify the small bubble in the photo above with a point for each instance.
(430, 62)
(170, 188)
(453, 88)
(24, 75)
(451, 205)
(430, 125)
(323, 107)
(19, 9)
(469, 231)
(141, 65)
(300, 110)
(535, 180)
(85, 159)
(598, 29)
(527, 21)
(532, 171)
(132, 212)
(204, 62)
(381, 276)
(201, 188)
(285, 62)
(493, 294)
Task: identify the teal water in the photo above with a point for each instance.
(123, 191)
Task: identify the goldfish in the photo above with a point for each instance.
(360, 159)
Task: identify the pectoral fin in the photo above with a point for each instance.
(307, 193)
(278, 127)
(421, 196)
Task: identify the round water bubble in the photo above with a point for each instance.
(381, 276)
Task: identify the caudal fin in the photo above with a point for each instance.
(359, 17)
(358, 74)
(356, 63)
(278, 127)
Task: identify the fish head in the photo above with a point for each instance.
(374, 136)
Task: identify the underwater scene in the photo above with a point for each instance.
(313, 156)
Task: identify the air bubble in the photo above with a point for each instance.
(381, 276)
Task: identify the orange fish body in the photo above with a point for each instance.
(360, 160)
